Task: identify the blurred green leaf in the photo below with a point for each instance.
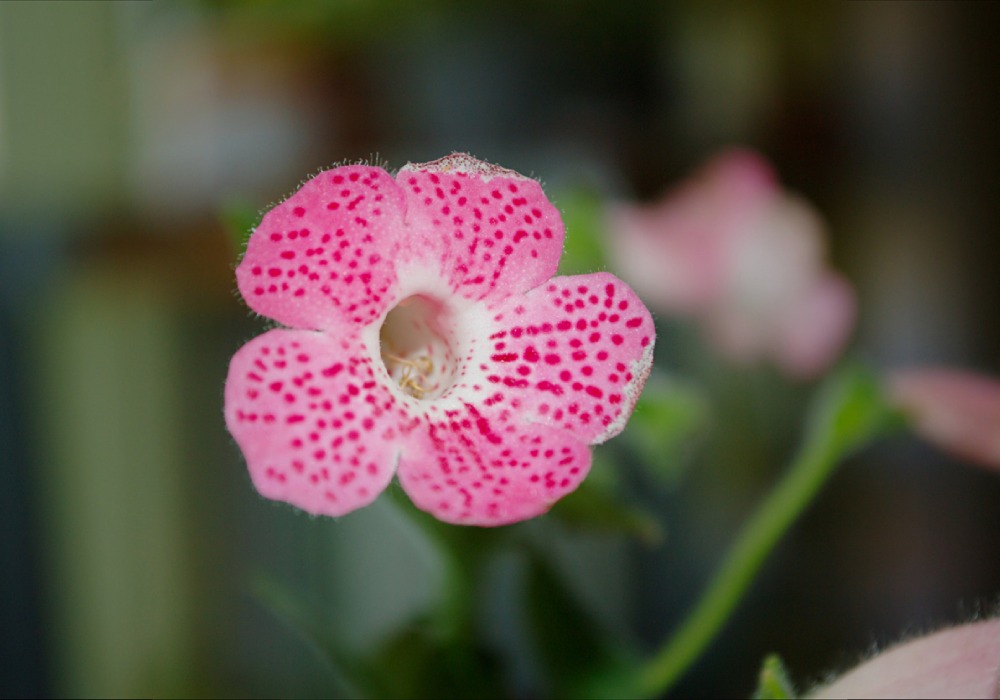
(774, 683)
(416, 662)
(419, 664)
(668, 420)
(578, 655)
(344, 23)
(240, 218)
(464, 552)
(596, 506)
(583, 249)
(851, 409)
(305, 617)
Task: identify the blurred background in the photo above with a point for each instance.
(130, 131)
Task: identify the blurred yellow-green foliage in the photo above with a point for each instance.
(131, 132)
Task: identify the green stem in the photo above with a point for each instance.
(850, 413)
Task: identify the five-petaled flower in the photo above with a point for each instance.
(426, 336)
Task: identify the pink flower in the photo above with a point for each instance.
(961, 662)
(425, 338)
(958, 411)
(733, 250)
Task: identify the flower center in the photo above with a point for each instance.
(416, 346)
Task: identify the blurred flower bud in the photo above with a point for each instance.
(958, 411)
(734, 251)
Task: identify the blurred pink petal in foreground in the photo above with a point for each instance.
(961, 662)
(958, 411)
(733, 250)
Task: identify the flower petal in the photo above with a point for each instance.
(815, 328)
(675, 251)
(316, 428)
(491, 231)
(956, 410)
(960, 662)
(471, 470)
(573, 353)
(773, 261)
(680, 267)
(326, 253)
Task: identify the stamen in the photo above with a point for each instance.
(416, 389)
(414, 371)
(415, 342)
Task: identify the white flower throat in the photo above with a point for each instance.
(416, 346)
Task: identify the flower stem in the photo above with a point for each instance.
(850, 412)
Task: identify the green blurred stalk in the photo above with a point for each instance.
(850, 412)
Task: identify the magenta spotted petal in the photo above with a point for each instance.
(573, 353)
(324, 255)
(428, 337)
(492, 234)
(316, 427)
(475, 470)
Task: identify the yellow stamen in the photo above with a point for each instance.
(422, 367)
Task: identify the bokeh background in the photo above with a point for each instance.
(130, 131)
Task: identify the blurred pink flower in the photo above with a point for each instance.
(961, 662)
(426, 338)
(733, 250)
(958, 411)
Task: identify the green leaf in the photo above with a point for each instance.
(417, 663)
(666, 425)
(583, 249)
(464, 552)
(240, 218)
(577, 653)
(774, 683)
(596, 506)
(305, 617)
(850, 411)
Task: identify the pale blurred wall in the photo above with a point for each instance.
(132, 534)
(61, 157)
